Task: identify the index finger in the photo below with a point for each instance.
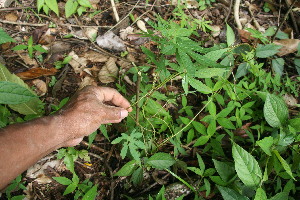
(109, 94)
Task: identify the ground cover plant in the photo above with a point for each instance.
(214, 92)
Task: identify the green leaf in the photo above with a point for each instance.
(31, 107)
(215, 55)
(40, 4)
(242, 70)
(137, 176)
(19, 197)
(161, 161)
(199, 86)
(4, 37)
(280, 196)
(212, 127)
(85, 3)
(12, 93)
(210, 72)
(201, 164)
(226, 123)
(246, 166)
(265, 51)
(260, 194)
(295, 123)
(225, 171)
(20, 47)
(230, 194)
(104, 131)
(63, 180)
(284, 164)
(275, 111)
(202, 140)
(127, 169)
(266, 144)
(277, 65)
(52, 4)
(40, 48)
(70, 7)
(91, 194)
(80, 10)
(71, 188)
(230, 36)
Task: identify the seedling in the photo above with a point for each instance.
(30, 47)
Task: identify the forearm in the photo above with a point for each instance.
(22, 145)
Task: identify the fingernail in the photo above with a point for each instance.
(124, 113)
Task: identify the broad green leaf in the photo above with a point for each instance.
(275, 111)
(20, 47)
(196, 170)
(266, 144)
(85, 3)
(104, 131)
(230, 36)
(277, 65)
(260, 194)
(212, 109)
(19, 197)
(246, 166)
(226, 123)
(127, 169)
(199, 86)
(70, 7)
(80, 10)
(124, 151)
(280, 196)
(40, 4)
(91, 194)
(284, 164)
(265, 51)
(52, 4)
(4, 37)
(31, 107)
(12, 93)
(225, 112)
(295, 123)
(209, 72)
(215, 55)
(137, 176)
(242, 70)
(201, 164)
(71, 188)
(212, 127)
(230, 194)
(63, 180)
(161, 161)
(40, 48)
(69, 162)
(225, 171)
(202, 140)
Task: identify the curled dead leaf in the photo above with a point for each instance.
(288, 46)
(87, 81)
(78, 63)
(36, 73)
(109, 71)
(111, 41)
(290, 100)
(27, 60)
(125, 32)
(11, 17)
(40, 87)
(141, 24)
(95, 56)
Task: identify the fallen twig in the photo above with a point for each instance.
(236, 10)
(229, 11)
(285, 17)
(113, 5)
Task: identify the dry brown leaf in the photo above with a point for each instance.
(95, 56)
(36, 73)
(288, 46)
(40, 87)
(245, 36)
(78, 63)
(110, 41)
(11, 17)
(125, 32)
(87, 81)
(60, 46)
(290, 100)
(27, 60)
(109, 71)
(124, 65)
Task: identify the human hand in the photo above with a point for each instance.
(87, 110)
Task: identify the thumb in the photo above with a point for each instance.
(114, 114)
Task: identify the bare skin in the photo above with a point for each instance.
(22, 145)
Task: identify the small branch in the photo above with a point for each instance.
(284, 19)
(236, 10)
(293, 19)
(115, 10)
(229, 11)
(138, 83)
(16, 8)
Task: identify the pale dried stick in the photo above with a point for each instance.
(236, 10)
(113, 5)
